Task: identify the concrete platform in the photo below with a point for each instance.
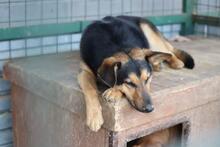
(49, 109)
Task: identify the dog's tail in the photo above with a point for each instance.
(186, 58)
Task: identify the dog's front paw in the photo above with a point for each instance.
(94, 119)
(112, 95)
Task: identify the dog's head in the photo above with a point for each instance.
(133, 74)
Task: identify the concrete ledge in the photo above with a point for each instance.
(53, 78)
(49, 110)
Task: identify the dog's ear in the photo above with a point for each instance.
(108, 71)
(156, 58)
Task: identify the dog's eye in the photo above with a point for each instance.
(146, 81)
(131, 84)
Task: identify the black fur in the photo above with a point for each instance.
(132, 66)
(186, 58)
(111, 35)
(103, 38)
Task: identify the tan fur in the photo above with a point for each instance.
(144, 75)
(135, 94)
(108, 62)
(86, 80)
(148, 85)
(134, 78)
(138, 53)
(158, 43)
(113, 94)
(158, 139)
(129, 92)
(173, 61)
(122, 57)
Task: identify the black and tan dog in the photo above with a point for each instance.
(119, 55)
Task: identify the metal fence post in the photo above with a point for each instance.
(187, 27)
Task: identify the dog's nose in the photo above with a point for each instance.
(148, 108)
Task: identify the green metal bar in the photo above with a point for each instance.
(38, 31)
(171, 19)
(187, 27)
(210, 13)
(73, 27)
(85, 24)
(208, 20)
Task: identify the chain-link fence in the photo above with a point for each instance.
(209, 12)
(27, 16)
(25, 13)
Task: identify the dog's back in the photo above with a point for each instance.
(120, 55)
(111, 35)
(104, 38)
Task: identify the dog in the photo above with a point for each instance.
(119, 55)
(169, 137)
(158, 139)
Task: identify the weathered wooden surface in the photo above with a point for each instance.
(38, 123)
(49, 95)
(202, 123)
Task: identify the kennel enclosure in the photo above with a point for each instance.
(50, 109)
(30, 28)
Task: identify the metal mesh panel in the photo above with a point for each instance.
(210, 8)
(207, 8)
(207, 30)
(17, 13)
(33, 12)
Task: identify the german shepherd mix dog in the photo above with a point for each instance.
(119, 55)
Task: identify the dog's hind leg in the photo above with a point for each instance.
(88, 85)
(158, 43)
(181, 55)
(175, 62)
